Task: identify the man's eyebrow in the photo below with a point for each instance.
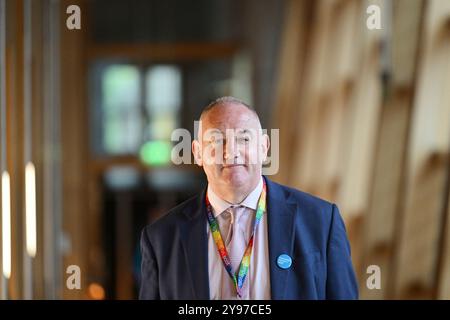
(244, 131)
(211, 133)
(213, 130)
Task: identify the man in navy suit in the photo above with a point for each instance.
(245, 237)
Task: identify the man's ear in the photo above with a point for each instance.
(265, 145)
(197, 152)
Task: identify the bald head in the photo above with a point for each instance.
(228, 113)
(223, 102)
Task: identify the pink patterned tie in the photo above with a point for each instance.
(237, 239)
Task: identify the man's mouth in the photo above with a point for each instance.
(226, 166)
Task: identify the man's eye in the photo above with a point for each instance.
(243, 139)
(217, 141)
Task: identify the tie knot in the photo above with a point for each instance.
(236, 213)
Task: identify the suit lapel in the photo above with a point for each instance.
(281, 226)
(195, 243)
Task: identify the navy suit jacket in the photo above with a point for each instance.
(308, 229)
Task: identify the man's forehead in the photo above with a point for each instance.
(231, 121)
(233, 130)
(229, 112)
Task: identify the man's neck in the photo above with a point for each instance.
(234, 195)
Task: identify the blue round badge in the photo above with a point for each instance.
(284, 261)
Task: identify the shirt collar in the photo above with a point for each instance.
(219, 205)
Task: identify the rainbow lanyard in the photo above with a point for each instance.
(245, 263)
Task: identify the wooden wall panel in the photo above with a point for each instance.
(334, 98)
(371, 134)
(16, 147)
(14, 140)
(315, 73)
(290, 74)
(37, 143)
(443, 278)
(75, 122)
(378, 229)
(361, 126)
(418, 230)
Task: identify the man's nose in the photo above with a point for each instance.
(230, 150)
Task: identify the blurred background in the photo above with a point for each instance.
(87, 115)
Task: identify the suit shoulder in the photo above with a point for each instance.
(315, 211)
(312, 200)
(305, 198)
(310, 205)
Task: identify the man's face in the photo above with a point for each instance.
(231, 146)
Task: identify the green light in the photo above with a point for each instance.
(155, 153)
